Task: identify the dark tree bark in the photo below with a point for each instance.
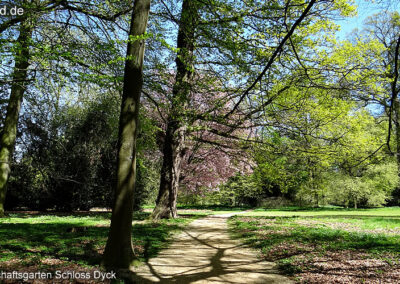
(9, 133)
(395, 109)
(118, 253)
(170, 171)
(174, 143)
(396, 106)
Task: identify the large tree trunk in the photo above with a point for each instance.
(9, 133)
(176, 126)
(396, 109)
(118, 253)
(170, 172)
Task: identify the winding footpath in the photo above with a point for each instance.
(205, 253)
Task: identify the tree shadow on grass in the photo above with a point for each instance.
(41, 240)
(137, 216)
(33, 242)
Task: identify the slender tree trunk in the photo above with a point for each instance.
(9, 133)
(396, 108)
(118, 252)
(396, 105)
(174, 144)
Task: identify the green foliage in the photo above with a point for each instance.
(277, 172)
(147, 182)
(373, 188)
(239, 190)
(70, 159)
(327, 135)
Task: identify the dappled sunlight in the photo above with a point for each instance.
(75, 242)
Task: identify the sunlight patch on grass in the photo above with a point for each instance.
(309, 244)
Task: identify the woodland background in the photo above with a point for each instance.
(263, 119)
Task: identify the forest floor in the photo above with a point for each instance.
(326, 246)
(205, 253)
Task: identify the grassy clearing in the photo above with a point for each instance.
(214, 208)
(203, 210)
(45, 242)
(326, 211)
(327, 245)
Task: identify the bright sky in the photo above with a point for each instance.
(365, 9)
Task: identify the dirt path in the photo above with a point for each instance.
(204, 253)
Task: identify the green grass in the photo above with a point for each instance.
(326, 211)
(214, 207)
(291, 235)
(203, 210)
(370, 222)
(28, 240)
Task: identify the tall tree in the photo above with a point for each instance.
(386, 28)
(9, 132)
(173, 149)
(226, 48)
(372, 61)
(119, 252)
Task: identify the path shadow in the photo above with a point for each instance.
(216, 266)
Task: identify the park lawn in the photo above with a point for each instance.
(325, 211)
(203, 210)
(331, 246)
(44, 242)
